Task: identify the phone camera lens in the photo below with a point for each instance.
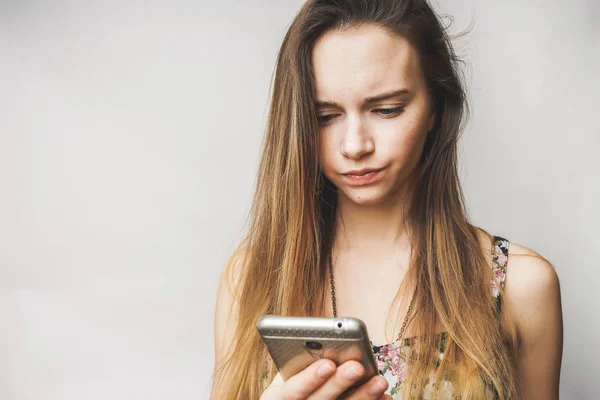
(314, 345)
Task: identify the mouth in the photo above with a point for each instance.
(362, 176)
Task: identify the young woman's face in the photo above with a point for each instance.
(373, 109)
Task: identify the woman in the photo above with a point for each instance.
(359, 212)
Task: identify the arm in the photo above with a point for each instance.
(533, 293)
(225, 321)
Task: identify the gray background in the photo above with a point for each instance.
(129, 140)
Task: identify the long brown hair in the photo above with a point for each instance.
(282, 261)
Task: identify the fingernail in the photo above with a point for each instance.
(351, 373)
(377, 387)
(324, 370)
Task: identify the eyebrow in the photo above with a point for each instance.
(368, 100)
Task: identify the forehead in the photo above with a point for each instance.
(352, 64)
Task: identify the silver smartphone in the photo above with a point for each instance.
(296, 342)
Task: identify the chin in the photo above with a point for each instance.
(363, 197)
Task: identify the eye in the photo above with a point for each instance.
(325, 119)
(389, 111)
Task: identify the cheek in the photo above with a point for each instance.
(328, 154)
(324, 151)
(408, 137)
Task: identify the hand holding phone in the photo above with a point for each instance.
(324, 380)
(303, 348)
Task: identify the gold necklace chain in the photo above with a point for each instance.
(333, 303)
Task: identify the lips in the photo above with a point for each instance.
(361, 172)
(359, 177)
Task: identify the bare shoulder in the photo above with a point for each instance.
(530, 276)
(532, 290)
(226, 310)
(232, 274)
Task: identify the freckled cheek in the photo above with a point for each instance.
(407, 137)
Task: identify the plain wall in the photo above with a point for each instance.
(129, 140)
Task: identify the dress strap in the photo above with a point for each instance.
(499, 265)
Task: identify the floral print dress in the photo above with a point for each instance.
(393, 366)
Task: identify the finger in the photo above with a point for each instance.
(310, 379)
(374, 389)
(345, 376)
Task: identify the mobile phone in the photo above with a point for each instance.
(296, 342)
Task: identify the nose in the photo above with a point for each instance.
(357, 141)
